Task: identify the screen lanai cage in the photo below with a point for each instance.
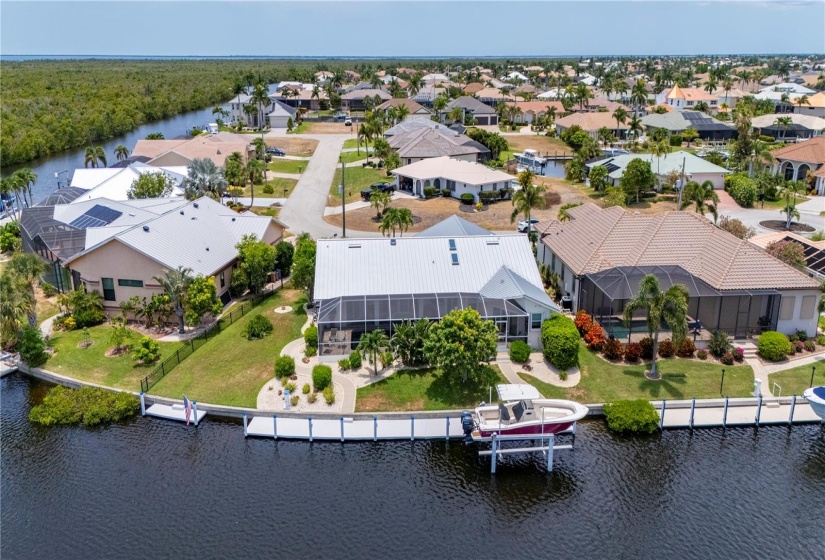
(737, 312)
(342, 320)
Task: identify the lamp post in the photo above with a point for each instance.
(343, 202)
(813, 371)
(58, 174)
(723, 381)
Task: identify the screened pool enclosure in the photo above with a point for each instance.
(342, 320)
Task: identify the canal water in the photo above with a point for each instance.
(151, 488)
(64, 163)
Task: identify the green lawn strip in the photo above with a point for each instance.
(357, 179)
(349, 157)
(300, 129)
(351, 143)
(795, 380)
(229, 369)
(603, 381)
(91, 364)
(420, 389)
(278, 185)
(287, 165)
(271, 211)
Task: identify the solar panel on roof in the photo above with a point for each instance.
(96, 216)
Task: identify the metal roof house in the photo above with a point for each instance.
(367, 284)
(454, 175)
(695, 168)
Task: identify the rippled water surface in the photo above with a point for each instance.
(151, 488)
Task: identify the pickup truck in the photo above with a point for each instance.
(382, 187)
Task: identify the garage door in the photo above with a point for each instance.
(482, 120)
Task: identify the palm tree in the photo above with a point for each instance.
(403, 112)
(727, 85)
(204, 178)
(16, 304)
(620, 114)
(416, 81)
(24, 180)
(395, 218)
(699, 195)
(528, 197)
(638, 94)
(710, 85)
(371, 344)
(550, 115)
(121, 152)
(783, 124)
(582, 94)
(93, 156)
(790, 190)
(175, 284)
(662, 307)
(28, 268)
(380, 200)
(255, 170)
(660, 149)
(439, 104)
(635, 127)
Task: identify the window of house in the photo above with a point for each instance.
(808, 307)
(535, 320)
(690, 103)
(108, 289)
(786, 308)
(223, 280)
(130, 283)
(450, 185)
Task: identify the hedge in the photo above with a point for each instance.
(284, 366)
(519, 352)
(742, 189)
(321, 377)
(560, 339)
(774, 346)
(311, 336)
(430, 192)
(637, 416)
(467, 198)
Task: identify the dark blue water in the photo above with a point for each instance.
(156, 489)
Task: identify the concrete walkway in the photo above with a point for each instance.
(46, 326)
(808, 212)
(763, 371)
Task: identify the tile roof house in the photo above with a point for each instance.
(492, 95)
(813, 105)
(416, 110)
(217, 147)
(354, 100)
(482, 113)
(814, 250)
(364, 284)
(532, 109)
(280, 114)
(601, 256)
(686, 98)
(440, 141)
(473, 88)
(800, 127)
(795, 161)
(457, 176)
(592, 123)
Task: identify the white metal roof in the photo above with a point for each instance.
(662, 165)
(90, 178)
(423, 265)
(115, 186)
(517, 392)
(453, 226)
(446, 167)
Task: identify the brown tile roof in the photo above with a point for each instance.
(690, 94)
(766, 239)
(598, 239)
(590, 121)
(153, 148)
(538, 106)
(413, 106)
(473, 87)
(215, 147)
(814, 100)
(811, 151)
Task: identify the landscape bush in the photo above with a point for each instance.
(9, 237)
(702, 354)
(306, 389)
(488, 196)
(329, 395)
(355, 360)
(646, 347)
(666, 349)
(582, 322)
(742, 189)
(284, 366)
(727, 359)
(446, 193)
(799, 335)
(147, 351)
(467, 198)
(87, 318)
(519, 352)
(637, 416)
(48, 289)
(294, 400)
(88, 405)
(343, 364)
(595, 337)
(632, 352)
(311, 336)
(289, 386)
(386, 358)
(821, 340)
(810, 345)
(33, 347)
(312, 397)
(773, 346)
(798, 346)
(269, 189)
(686, 349)
(613, 349)
(310, 351)
(718, 344)
(560, 340)
(430, 192)
(321, 377)
(738, 354)
(258, 327)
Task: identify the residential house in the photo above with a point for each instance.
(493, 96)
(352, 75)
(482, 113)
(115, 183)
(426, 142)
(676, 122)
(601, 256)
(301, 97)
(171, 153)
(280, 114)
(376, 283)
(686, 98)
(416, 110)
(355, 100)
(795, 161)
(592, 123)
(410, 125)
(693, 167)
(799, 128)
(530, 110)
(427, 94)
(473, 88)
(814, 250)
(454, 175)
(811, 105)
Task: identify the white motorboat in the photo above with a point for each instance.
(530, 159)
(522, 412)
(816, 398)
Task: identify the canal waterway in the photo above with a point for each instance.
(151, 488)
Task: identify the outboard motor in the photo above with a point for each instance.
(468, 425)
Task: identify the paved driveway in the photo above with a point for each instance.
(808, 212)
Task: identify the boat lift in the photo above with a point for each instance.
(545, 444)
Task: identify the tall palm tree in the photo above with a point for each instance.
(403, 112)
(439, 104)
(260, 97)
(416, 81)
(582, 94)
(635, 126)
(727, 85)
(16, 304)
(620, 114)
(669, 307)
(28, 268)
(638, 95)
(703, 196)
(783, 124)
(204, 178)
(371, 344)
(790, 190)
(255, 171)
(121, 152)
(24, 180)
(93, 156)
(659, 149)
(175, 284)
(528, 197)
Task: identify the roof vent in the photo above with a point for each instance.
(452, 245)
(207, 248)
(145, 228)
(132, 214)
(195, 204)
(233, 218)
(492, 241)
(454, 258)
(181, 212)
(392, 242)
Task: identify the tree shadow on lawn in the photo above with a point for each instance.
(667, 386)
(461, 394)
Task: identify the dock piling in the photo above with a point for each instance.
(245, 426)
(758, 411)
(494, 442)
(447, 433)
(692, 411)
(375, 428)
(274, 426)
(725, 414)
(551, 440)
(142, 404)
(793, 406)
(195, 409)
(412, 428)
(342, 428)
(309, 419)
(662, 419)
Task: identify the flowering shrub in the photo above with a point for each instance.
(595, 337)
(613, 349)
(583, 322)
(646, 345)
(666, 349)
(739, 354)
(799, 346)
(632, 352)
(702, 354)
(727, 359)
(686, 349)
(810, 345)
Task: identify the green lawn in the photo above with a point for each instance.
(279, 165)
(278, 184)
(301, 128)
(351, 143)
(271, 211)
(229, 369)
(794, 381)
(603, 381)
(420, 390)
(90, 364)
(357, 178)
(349, 157)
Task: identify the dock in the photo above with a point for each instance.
(353, 429)
(8, 364)
(175, 412)
(726, 413)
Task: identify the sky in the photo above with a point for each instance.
(392, 28)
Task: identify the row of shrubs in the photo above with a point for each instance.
(776, 346)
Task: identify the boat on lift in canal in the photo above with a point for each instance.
(522, 413)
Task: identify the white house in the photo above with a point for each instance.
(454, 175)
(695, 168)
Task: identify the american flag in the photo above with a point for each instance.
(187, 407)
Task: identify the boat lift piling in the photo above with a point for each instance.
(545, 444)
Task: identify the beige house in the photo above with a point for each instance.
(200, 235)
(217, 147)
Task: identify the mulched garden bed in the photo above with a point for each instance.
(779, 225)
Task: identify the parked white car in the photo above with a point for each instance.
(522, 225)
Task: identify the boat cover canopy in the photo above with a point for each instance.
(517, 392)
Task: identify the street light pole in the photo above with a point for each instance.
(723, 381)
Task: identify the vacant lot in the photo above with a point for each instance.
(328, 128)
(357, 178)
(294, 145)
(543, 144)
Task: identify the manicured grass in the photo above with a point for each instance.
(301, 128)
(90, 364)
(795, 380)
(349, 157)
(279, 165)
(420, 390)
(46, 308)
(229, 369)
(277, 183)
(357, 179)
(603, 381)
